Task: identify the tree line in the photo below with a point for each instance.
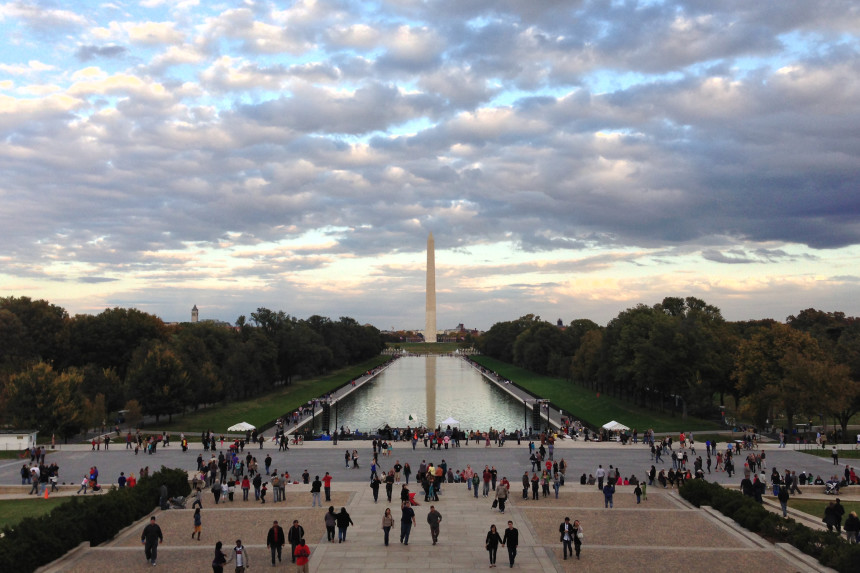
(61, 374)
(680, 354)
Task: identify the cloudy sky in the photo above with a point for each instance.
(571, 158)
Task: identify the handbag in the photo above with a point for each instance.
(495, 504)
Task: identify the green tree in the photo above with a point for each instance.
(110, 338)
(50, 402)
(158, 380)
(45, 337)
(780, 369)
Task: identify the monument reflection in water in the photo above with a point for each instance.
(433, 388)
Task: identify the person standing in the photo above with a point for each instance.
(343, 522)
(492, 544)
(294, 536)
(275, 541)
(835, 455)
(316, 486)
(302, 554)
(327, 486)
(330, 521)
(566, 530)
(150, 538)
(387, 524)
(407, 520)
(511, 540)
(219, 560)
(198, 524)
(782, 496)
(240, 555)
(434, 518)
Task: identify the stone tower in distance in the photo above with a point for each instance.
(194, 314)
(430, 318)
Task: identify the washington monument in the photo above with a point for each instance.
(430, 319)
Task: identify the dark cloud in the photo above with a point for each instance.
(89, 52)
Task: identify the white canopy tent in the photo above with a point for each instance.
(241, 427)
(449, 421)
(614, 426)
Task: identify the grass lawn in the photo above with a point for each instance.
(585, 405)
(267, 408)
(14, 510)
(815, 508)
(843, 453)
(426, 348)
(11, 455)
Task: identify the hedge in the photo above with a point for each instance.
(830, 549)
(37, 541)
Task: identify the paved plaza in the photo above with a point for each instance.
(663, 531)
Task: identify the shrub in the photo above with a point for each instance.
(831, 550)
(34, 542)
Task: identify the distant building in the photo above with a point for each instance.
(195, 314)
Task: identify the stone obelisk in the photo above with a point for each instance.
(430, 319)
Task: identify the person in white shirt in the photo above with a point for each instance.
(240, 555)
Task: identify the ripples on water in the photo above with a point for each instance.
(433, 388)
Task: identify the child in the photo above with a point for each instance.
(638, 492)
(263, 493)
(198, 524)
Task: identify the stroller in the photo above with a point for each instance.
(177, 502)
(831, 487)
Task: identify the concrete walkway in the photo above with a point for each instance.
(662, 532)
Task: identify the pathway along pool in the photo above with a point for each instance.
(432, 389)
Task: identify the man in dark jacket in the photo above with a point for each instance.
(511, 540)
(150, 537)
(275, 540)
(295, 535)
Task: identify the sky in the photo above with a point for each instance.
(571, 158)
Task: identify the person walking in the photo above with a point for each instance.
(302, 554)
(343, 522)
(316, 486)
(219, 560)
(387, 524)
(566, 530)
(294, 536)
(275, 540)
(492, 544)
(85, 483)
(374, 486)
(434, 518)
(502, 495)
(852, 527)
(407, 521)
(330, 521)
(150, 538)
(240, 555)
(577, 537)
(198, 524)
(511, 540)
(608, 491)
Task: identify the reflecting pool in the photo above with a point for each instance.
(431, 389)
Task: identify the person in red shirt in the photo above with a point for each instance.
(327, 486)
(302, 553)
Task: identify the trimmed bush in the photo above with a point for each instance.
(831, 550)
(34, 542)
